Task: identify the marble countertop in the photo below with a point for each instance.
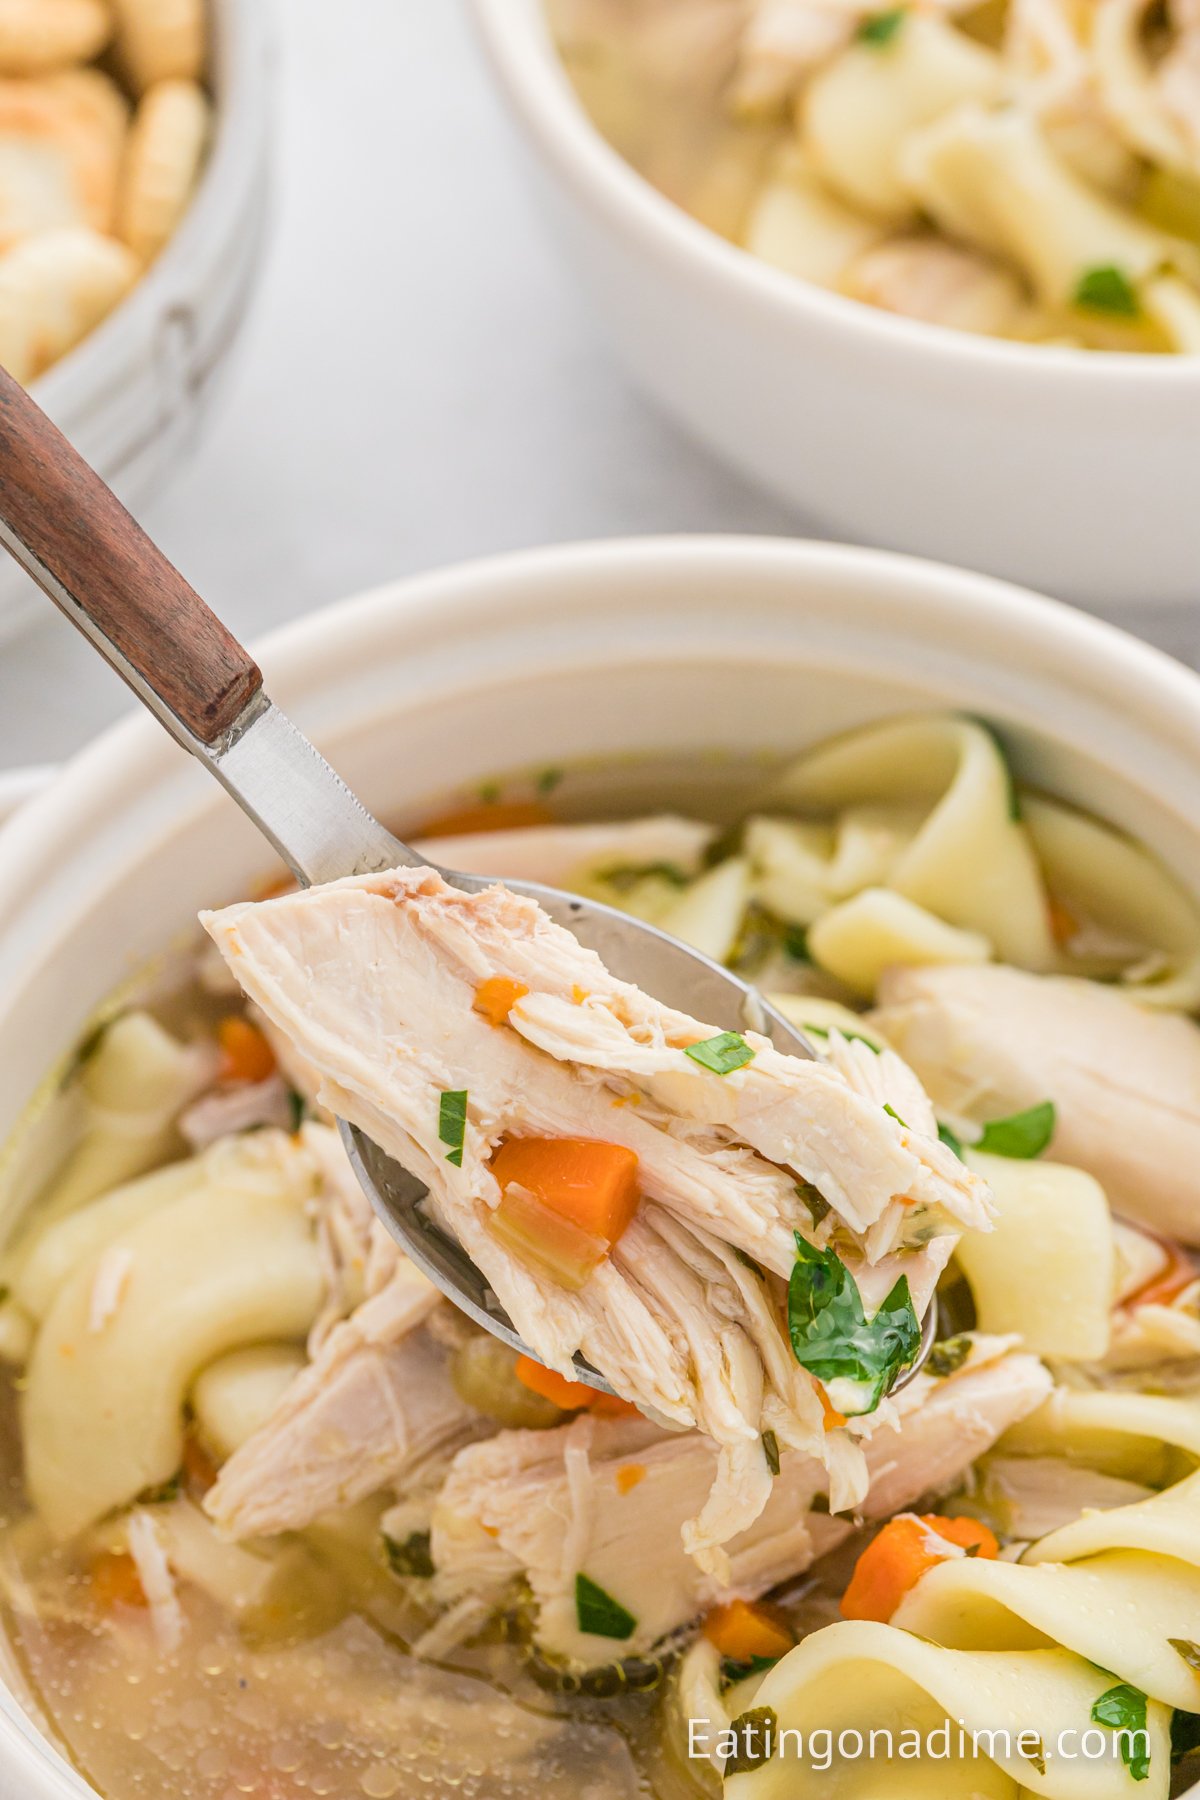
(418, 382)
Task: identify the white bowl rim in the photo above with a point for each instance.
(1104, 660)
(518, 41)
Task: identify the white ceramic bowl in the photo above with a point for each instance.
(677, 646)
(1067, 470)
(133, 395)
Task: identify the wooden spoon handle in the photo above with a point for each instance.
(69, 530)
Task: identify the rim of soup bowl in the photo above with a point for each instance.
(455, 607)
(519, 45)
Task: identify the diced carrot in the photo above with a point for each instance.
(743, 1629)
(629, 1476)
(907, 1548)
(499, 815)
(1169, 1283)
(572, 1396)
(245, 1053)
(114, 1581)
(496, 997)
(592, 1183)
(1063, 923)
(833, 1418)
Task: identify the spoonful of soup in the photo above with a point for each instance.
(605, 1148)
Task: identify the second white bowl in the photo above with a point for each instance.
(1069, 470)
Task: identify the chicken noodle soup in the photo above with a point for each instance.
(288, 1524)
(1026, 169)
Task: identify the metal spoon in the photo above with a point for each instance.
(71, 533)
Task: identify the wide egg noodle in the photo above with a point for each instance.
(970, 862)
(855, 1675)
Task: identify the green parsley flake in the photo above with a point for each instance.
(893, 1114)
(753, 1740)
(1124, 1709)
(548, 780)
(1108, 290)
(1022, 1135)
(452, 1124)
(599, 1614)
(881, 27)
(770, 1444)
(950, 1140)
(831, 1335)
(722, 1054)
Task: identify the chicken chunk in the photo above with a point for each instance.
(373, 979)
(606, 1498)
(372, 1408)
(1125, 1081)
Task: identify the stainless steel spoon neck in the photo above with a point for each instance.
(301, 804)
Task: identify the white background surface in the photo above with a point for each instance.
(418, 382)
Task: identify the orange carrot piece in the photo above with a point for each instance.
(245, 1053)
(629, 1476)
(743, 1629)
(496, 997)
(572, 1396)
(1169, 1283)
(500, 815)
(832, 1417)
(592, 1183)
(114, 1581)
(907, 1548)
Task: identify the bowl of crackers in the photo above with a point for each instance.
(134, 138)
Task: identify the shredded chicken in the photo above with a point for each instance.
(373, 980)
(607, 1498)
(371, 1408)
(158, 1584)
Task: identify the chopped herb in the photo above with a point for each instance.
(1022, 1135)
(452, 1124)
(770, 1444)
(951, 1141)
(489, 792)
(732, 1671)
(831, 1335)
(410, 1555)
(1108, 290)
(948, 1356)
(599, 1614)
(297, 1107)
(548, 780)
(795, 943)
(722, 1054)
(624, 877)
(163, 1492)
(1124, 1709)
(753, 1740)
(892, 1113)
(881, 27)
(1189, 1651)
(815, 1201)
